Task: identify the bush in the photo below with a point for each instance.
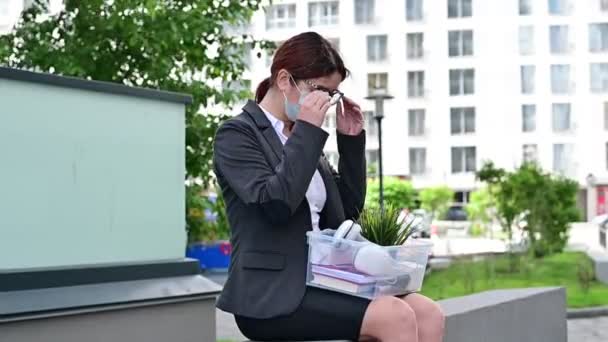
(543, 205)
(436, 200)
(399, 193)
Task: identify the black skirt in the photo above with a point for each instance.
(322, 315)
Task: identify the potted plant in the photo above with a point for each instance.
(208, 229)
(387, 227)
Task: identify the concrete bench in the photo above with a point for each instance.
(531, 314)
(600, 262)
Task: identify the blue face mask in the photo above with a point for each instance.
(292, 110)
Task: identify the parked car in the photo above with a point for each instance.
(456, 213)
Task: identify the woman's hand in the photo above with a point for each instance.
(349, 120)
(314, 107)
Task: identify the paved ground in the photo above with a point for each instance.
(588, 330)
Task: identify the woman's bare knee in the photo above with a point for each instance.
(390, 319)
(429, 316)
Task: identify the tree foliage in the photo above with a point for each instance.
(187, 46)
(543, 205)
(436, 200)
(479, 209)
(397, 192)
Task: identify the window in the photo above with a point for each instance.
(560, 79)
(525, 7)
(323, 13)
(376, 48)
(462, 81)
(413, 10)
(464, 159)
(528, 118)
(559, 7)
(415, 45)
(460, 8)
(562, 157)
(371, 128)
(559, 39)
(530, 153)
(417, 161)
(528, 77)
(416, 122)
(599, 77)
(281, 16)
(364, 11)
(462, 197)
(561, 118)
(526, 40)
(377, 82)
(598, 37)
(415, 84)
(460, 43)
(462, 120)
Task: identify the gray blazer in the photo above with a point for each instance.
(264, 185)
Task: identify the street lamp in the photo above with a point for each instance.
(379, 95)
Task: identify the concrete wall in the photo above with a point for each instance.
(186, 321)
(534, 314)
(522, 315)
(600, 261)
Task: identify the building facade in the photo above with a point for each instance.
(472, 80)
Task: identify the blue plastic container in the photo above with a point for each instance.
(211, 256)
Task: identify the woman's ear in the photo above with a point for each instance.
(283, 80)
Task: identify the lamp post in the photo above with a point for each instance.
(379, 95)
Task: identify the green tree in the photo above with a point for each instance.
(436, 200)
(397, 192)
(189, 46)
(480, 207)
(543, 205)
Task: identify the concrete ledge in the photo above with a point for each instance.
(600, 262)
(532, 314)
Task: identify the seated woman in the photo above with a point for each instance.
(277, 186)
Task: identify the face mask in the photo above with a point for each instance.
(292, 110)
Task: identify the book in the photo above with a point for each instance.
(342, 285)
(346, 273)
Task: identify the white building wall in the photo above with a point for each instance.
(498, 128)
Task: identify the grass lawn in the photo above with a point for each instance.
(466, 277)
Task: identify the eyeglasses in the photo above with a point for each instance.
(335, 94)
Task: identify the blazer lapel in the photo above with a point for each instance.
(258, 116)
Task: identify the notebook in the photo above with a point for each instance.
(342, 285)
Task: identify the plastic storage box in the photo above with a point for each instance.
(337, 264)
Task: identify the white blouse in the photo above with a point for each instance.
(316, 194)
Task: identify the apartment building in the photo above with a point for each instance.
(472, 80)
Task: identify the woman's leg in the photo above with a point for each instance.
(429, 317)
(389, 319)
